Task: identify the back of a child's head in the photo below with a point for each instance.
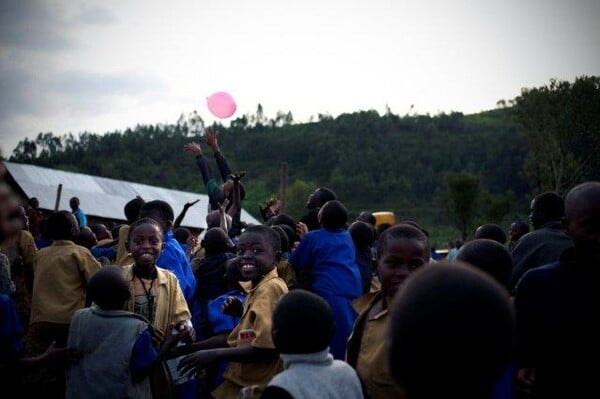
(233, 275)
(181, 234)
(283, 237)
(368, 217)
(404, 231)
(363, 234)
(62, 225)
(292, 237)
(159, 210)
(132, 209)
(491, 231)
(282, 218)
(452, 330)
(333, 215)
(85, 238)
(324, 194)
(108, 288)
(216, 241)
(302, 323)
(489, 256)
(267, 233)
(381, 228)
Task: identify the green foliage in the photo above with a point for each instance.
(562, 123)
(464, 189)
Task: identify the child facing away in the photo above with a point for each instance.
(155, 292)
(249, 347)
(117, 353)
(328, 257)
(402, 249)
(61, 273)
(302, 328)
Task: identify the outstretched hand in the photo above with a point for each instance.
(210, 137)
(193, 363)
(193, 148)
(62, 356)
(237, 176)
(190, 204)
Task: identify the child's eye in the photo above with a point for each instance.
(257, 251)
(137, 242)
(414, 265)
(154, 242)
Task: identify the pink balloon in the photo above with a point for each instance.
(221, 104)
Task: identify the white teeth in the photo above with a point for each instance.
(147, 256)
(248, 268)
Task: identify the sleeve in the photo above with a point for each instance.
(261, 314)
(143, 355)
(88, 265)
(212, 188)
(301, 257)
(525, 311)
(28, 248)
(179, 308)
(11, 330)
(223, 166)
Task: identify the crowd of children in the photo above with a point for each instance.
(319, 307)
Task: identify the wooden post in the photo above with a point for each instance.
(283, 185)
(58, 193)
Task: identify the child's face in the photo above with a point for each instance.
(256, 256)
(146, 244)
(400, 257)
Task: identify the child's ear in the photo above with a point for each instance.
(277, 257)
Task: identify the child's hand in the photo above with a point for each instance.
(194, 148)
(185, 332)
(247, 392)
(192, 364)
(170, 341)
(301, 229)
(157, 337)
(61, 356)
(237, 176)
(233, 307)
(210, 137)
(188, 205)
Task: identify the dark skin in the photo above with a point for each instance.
(256, 258)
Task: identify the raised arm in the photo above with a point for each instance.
(214, 192)
(180, 217)
(213, 142)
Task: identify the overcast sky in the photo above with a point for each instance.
(72, 66)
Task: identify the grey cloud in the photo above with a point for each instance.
(97, 16)
(80, 83)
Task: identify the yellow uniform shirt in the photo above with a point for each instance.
(367, 349)
(60, 276)
(254, 329)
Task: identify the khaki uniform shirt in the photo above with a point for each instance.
(123, 257)
(60, 276)
(367, 349)
(171, 306)
(254, 329)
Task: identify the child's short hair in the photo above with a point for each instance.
(216, 241)
(143, 221)
(233, 274)
(402, 230)
(181, 234)
(268, 233)
(282, 218)
(132, 209)
(302, 323)
(368, 217)
(363, 234)
(323, 195)
(551, 205)
(491, 231)
(489, 256)
(333, 215)
(160, 208)
(452, 332)
(292, 237)
(108, 288)
(86, 238)
(283, 237)
(62, 226)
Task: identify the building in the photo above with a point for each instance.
(101, 198)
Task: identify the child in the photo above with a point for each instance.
(315, 201)
(488, 255)
(115, 345)
(132, 213)
(249, 347)
(284, 269)
(451, 333)
(155, 292)
(327, 259)
(402, 249)
(302, 328)
(61, 273)
(363, 236)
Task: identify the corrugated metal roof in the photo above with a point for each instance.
(104, 197)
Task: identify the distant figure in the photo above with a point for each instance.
(452, 333)
(34, 214)
(516, 230)
(78, 212)
(367, 217)
(557, 308)
(548, 240)
(302, 328)
(363, 236)
(491, 231)
(456, 244)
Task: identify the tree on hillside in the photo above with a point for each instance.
(562, 123)
(463, 190)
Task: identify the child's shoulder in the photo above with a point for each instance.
(271, 283)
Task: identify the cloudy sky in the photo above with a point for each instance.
(73, 66)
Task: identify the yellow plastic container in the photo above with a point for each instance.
(384, 217)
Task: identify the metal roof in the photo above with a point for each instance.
(103, 197)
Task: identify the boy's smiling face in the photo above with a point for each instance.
(400, 258)
(146, 244)
(256, 256)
